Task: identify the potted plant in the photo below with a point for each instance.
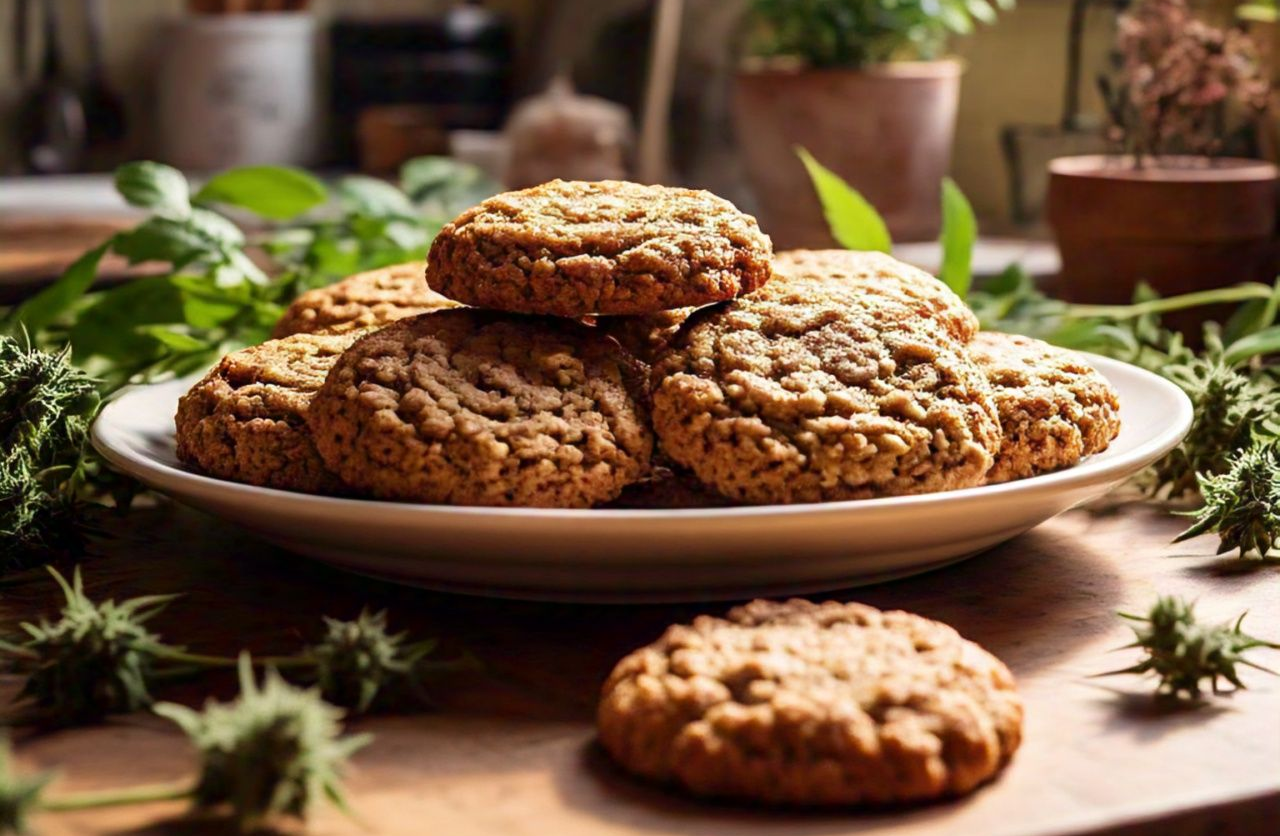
(865, 87)
(1170, 207)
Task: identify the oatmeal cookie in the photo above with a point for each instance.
(475, 407)
(246, 420)
(667, 487)
(364, 300)
(814, 704)
(1055, 408)
(881, 274)
(811, 390)
(610, 247)
(645, 335)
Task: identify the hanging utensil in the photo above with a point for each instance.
(51, 128)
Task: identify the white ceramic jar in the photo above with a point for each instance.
(239, 90)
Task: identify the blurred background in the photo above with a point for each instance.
(707, 93)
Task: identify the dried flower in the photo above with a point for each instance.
(19, 795)
(358, 661)
(274, 751)
(94, 660)
(1177, 77)
(1182, 652)
(1242, 505)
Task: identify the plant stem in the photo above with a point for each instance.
(207, 661)
(1238, 293)
(116, 798)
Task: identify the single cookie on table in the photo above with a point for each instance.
(881, 274)
(246, 419)
(812, 704)
(365, 300)
(474, 407)
(811, 390)
(1055, 408)
(610, 247)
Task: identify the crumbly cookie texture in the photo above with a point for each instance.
(608, 247)
(668, 487)
(884, 275)
(475, 407)
(364, 300)
(812, 704)
(647, 335)
(1055, 408)
(811, 390)
(246, 419)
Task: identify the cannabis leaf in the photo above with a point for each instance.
(1242, 505)
(1182, 652)
(19, 795)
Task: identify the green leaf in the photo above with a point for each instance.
(216, 228)
(108, 327)
(1252, 316)
(1266, 341)
(160, 188)
(959, 234)
(374, 198)
(274, 192)
(161, 239)
(171, 339)
(43, 308)
(981, 10)
(854, 222)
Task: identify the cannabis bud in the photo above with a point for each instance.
(274, 751)
(358, 660)
(1243, 504)
(19, 796)
(1182, 652)
(94, 660)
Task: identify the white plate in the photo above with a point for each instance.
(645, 555)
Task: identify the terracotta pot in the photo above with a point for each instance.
(886, 129)
(1179, 224)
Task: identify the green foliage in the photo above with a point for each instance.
(1242, 505)
(271, 192)
(854, 33)
(19, 795)
(273, 752)
(959, 235)
(855, 223)
(1181, 652)
(46, 406)
(96, 659)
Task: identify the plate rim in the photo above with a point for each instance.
(1089, 472)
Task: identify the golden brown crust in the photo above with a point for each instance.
(814, 704)
(475, 407)
(811, 390)
(884, 275)
(365, 300)
(645, 336)
(608, 247)
(1055, 408)
(246, 419)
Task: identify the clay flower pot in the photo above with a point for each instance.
(1178, 223)
(887, 129)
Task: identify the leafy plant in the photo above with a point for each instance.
(1178, 80)
(854, 33)
(1242, 505)
(1181, 652)
(19, 795)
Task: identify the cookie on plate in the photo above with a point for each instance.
(1055, 408)
(246, 419)
(810, 390)
(669, 487)
(882, 274)
(365, 300)
(474, 407)
(610, 247)
(812, 704)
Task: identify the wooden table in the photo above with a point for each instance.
(511, 751)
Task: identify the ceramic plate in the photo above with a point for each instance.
(645, 555)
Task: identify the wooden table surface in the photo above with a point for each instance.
(511, 750)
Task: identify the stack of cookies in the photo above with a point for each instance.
(572, 343)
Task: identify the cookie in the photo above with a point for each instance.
(669, 487)
(811, 390)
(609, 247)
(1055, 408)
(246, 419)
(361, 301)
(475, 407)
(647, 335)
(884, 275)
(812, 704)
